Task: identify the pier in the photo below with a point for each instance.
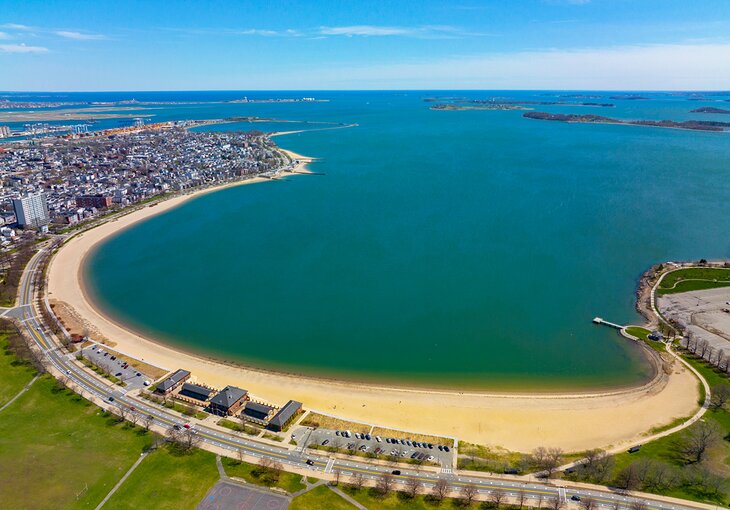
(598, 320)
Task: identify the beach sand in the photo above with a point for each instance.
(518, 422)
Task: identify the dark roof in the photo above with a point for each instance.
(285, 413)
(228, 396)
(194, 389)
(258, 408)
(174, 379)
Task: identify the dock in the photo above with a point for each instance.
(598, 320)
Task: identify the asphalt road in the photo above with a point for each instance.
(101, 389)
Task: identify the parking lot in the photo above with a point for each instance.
(384, 446)
(706, 313)
(101, 358)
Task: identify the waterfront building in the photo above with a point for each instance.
(174, 381)
(228, 401)
(32, 210)
(285, 415)
(4, 131)
(196, 392)
(94, 201)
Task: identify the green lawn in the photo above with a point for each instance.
(59, 451)
(370, 498)
(290, 482)
(319, 499)
(694, 278)
(167, 480)
(15, 374)
(643, 334)
(665, 449)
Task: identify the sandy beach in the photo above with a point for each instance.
(518, 422)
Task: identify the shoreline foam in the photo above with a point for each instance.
(517, 421)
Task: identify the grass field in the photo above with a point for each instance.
(319, 499)
(694, 278)
(167, 480)
(59, 451)
(372, 500)
(665, 450)
(290, 482)
(327, 422)
(643, 335)
(15, 374)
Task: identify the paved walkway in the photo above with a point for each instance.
(120, 482)
(346, 497)
(20, 392)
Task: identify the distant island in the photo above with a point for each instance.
(709, 109)
(486, 106)
(457, 104)
(697, 125)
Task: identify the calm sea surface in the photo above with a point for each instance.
(443, 248)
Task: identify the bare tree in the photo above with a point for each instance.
(696, 440)
(133, 418)
(189, 439)
(588, 503)
(357, 480)
(470, 492)
(521, 497)
(241, 455)
(496, 497)
(546, 459)
(441, 489)
(385, 483)
(337, 474)
(702, 347)
(720, 394)
(121, 412)
(628, 478)
(556, 503)
(638, 504)
(539, 497)
(147, 421)
(412, 486)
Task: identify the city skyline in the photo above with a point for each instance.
(532, 44)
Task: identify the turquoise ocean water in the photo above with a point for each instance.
(443, 248)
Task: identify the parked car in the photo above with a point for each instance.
(325, 442)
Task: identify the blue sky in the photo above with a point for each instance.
(49, 45)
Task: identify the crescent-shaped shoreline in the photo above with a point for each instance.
(516, 421)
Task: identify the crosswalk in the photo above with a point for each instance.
(446, 471)
(328, 467)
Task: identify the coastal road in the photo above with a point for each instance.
(93, 387)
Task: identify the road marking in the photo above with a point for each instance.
(328, 467)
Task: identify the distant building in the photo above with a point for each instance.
(94, 201)
(285, 415)
(228, 401)
(195, 392)
(32, 210)
(4, 131)
(174, 381)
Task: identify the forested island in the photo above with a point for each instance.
(698, 125)
(709, 109)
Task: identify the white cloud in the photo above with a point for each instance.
(426, 31)
(22, 48)
(365, 30)
(4, 35)
(16, 26)
(650, 67)
(78, 36)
